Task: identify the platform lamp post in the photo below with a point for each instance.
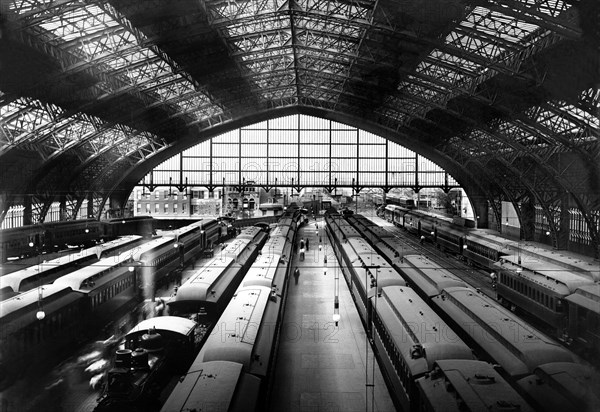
(336, 296)
(40, 314)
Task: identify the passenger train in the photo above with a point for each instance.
(188, 304)
(209, 288)
(55, 236)
(494, 333)
(555, 290)
(360, 264)
(48, 271)
(231, 372)
(445, 233)
(83, 295)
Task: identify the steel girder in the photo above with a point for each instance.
(313, 53)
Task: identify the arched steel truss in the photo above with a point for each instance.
(501, 93)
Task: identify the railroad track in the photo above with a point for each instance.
(476, 278)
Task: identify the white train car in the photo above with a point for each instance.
(215, 386)
(410, 337)
(503, 337)
(467, 385)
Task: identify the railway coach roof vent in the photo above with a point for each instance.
(417, 352)
(482, 379)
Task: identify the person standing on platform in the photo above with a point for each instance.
(307, 244)
(296, 275)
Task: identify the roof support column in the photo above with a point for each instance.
(90, 206)
(62, 209)
(480, 209)
(561, 239)
(27, 211)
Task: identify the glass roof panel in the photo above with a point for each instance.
(79, 23)
(11, 108)
(265, 41)
(498, 25)
(550, 7)
(334, 27)
(257, 25)
(117, 48)
(25, 6)
(241, 9)
(581, 115)
(28, 121)
(339, 9)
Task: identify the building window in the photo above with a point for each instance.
(174, 207)
(183, 208)
(166, 208)
(175, 194)
(157, 194)
(148, 208)
(139, 208)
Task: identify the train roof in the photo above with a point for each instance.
(452, 230)
(93, 276)
(393, 208)
(216, 385)
(205, 280)
(512, 342)
(14, 279)
(172, 324)
(236, 247)
(430, 215)
(151, 246)
(361, 246)
(410, 321)
(263, 271)
(20, 310)
(192, 227)
(471, 385)
(563, 386)
(280, 232)
(587, 296)
(477, 240)
(394, 244)
(427, 275)
(362, 256)
(380, 232)
(544, 273)
(235, 333)
(361, 219)
(275, 245)
(249, 232)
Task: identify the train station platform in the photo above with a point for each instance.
(321, 366)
